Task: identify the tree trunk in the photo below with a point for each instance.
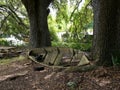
(37, 12)
(106, 43)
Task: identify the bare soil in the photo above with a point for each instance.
(24, 75)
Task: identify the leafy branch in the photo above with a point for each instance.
(77, 5)
(11, 12)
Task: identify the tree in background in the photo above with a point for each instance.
(37, 12)
(106, 46)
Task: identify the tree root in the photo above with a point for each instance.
(84, 68)
(12, 76)
(80, 68)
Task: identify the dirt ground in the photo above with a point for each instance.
(24, 75)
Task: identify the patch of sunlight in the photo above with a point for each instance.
(10, 60)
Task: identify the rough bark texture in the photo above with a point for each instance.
(106, 41)
(37, 13)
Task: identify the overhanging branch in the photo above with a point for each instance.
(77, 5)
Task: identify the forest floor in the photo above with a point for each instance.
(23, 75)
(20, 73)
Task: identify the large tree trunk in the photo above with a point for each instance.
(106, 42)
(37, 12)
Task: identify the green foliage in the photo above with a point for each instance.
(52, 28)
(54, 36)
(4, 43)
(74, 21)
(116, 60)
(81, 46)
(13, 19)
(11, 60)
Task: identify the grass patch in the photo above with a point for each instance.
(10, 60)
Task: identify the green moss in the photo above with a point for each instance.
(10, 60)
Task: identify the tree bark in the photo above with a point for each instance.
(37, 12)
(106, 43)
